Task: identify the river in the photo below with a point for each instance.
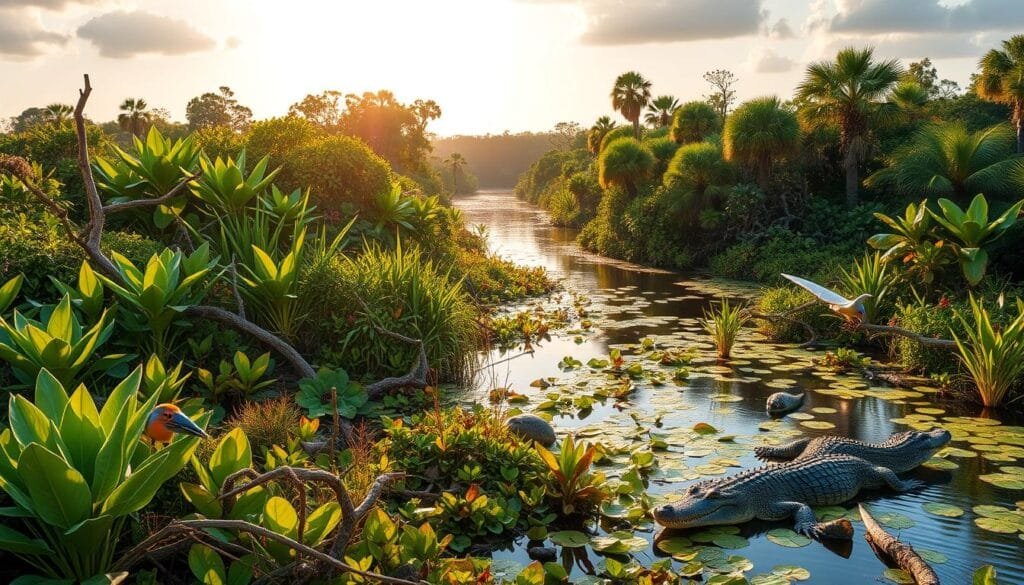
(628, 303)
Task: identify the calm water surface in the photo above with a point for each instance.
(629, 303)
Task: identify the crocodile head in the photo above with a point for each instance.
(920, 445)
(705, 505)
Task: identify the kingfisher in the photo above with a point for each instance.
(167, 419)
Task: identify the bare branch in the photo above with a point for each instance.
(150, 201)
(901, 332)
(888, 547)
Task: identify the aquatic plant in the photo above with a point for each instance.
(76, 474)
(994, 357)
(723, 325)
(574, 487)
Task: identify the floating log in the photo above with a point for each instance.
(889, 548)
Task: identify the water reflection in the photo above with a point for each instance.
(636, 302)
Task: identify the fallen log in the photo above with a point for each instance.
(889, 548)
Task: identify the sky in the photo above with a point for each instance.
(492, 65)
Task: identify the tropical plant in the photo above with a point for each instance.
(847, 94)
(57, 114)
(576, 489)
(386, 546)
(150, 169)
(597, 132)
(660, 111)
(134, 116)
(910, 97)
(456, 162)
(240, 377)
(232, 454)
(630, 95)
(723, 325)
(698, 166)
(759, 133)
(972, 231)
(58, 343)
(913, 243)
(77, 473)
(1000, 81)
(950, 161)
(695, 121)
(623, 163)
(225, 187)
(155, 296)
(993, 356)
(329, 392)
(87, 296)
(869, 275)
(9, 291)
(165, 382)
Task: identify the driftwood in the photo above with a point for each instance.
(324, 563)
(888, 548)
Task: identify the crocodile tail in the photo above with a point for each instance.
(785, 452)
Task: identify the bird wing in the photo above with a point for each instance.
(824, 295)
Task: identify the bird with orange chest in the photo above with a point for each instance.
(168, 419)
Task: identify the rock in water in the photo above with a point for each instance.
(533, 428)
(782, 402)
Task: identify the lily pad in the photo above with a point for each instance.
(569, 538)
(941, 509)
(787, 538)
(898, 576)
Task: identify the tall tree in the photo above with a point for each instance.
(848, 94)
(759, 133)
(660, 110)
(323, 109)
(630, 95)
(393, 130)
(1002, 80)
(694, 121)
(565, 134)
(722, 94)
(57, 114)
(218, 109)
(456, 161)
(426, 110)
(134, 116)
(597, 132)
(27, 119)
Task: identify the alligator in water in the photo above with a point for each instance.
(780, 491)
(901, 452)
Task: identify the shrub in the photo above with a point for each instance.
(491, 279)
(623, 163)
(698, 166)
(267, 423)
(663, 150)
(277, 138)
(695, 121)
(406, 295)
(564, 208)
(782, 299)
(219, 141)
(340, 171)
(780, 251)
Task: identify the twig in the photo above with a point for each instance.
(886, 546)
(149, 201)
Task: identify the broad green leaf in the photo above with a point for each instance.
(232, 454)
(123, 395)
(80, 428)
(206, 565)
(321, 522)
(51, 398)
(28, 423)
(13, 541)
(60, 495)
(203, 501)
(88, 533)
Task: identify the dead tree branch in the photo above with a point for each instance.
(888, 548)
(901, 332)
(151, 201)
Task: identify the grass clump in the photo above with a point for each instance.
(723, 325)
(993, 355)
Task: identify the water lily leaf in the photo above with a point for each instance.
(704, 428)
(997, 525)
(895, 520)
(730, 541)
(932, 556)
(817, 424)
(791, 572)
(941, 509)
(1004, 480)
(898, 576)
(569, 538)
(675, 545)
(788, 538)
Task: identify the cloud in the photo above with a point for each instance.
(765, 60)
(615, 22)
(121, 35)
(781, 30)
(22, 37)
(48, 4)
(947, 46)
(924, 16)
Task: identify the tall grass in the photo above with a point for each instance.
(406, 294)
(993, 356)
(723, 325)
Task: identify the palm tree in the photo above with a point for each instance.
(660, 110)
(597, 132)
(698, 166)
(630, 95)
(848, 94)
(758, 133)
(947, 160)
(57, 114)
(456, 161)
(694, 121)
(910, 97)
(1002, 80)
(134, 116)
(624, 162)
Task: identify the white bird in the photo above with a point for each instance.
(851, 310)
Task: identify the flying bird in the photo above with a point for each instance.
(851, 310)
(167, 419)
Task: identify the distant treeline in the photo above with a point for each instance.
(497, 160)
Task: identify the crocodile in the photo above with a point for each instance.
(900, 452)
(781, 402)
(779, 491)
